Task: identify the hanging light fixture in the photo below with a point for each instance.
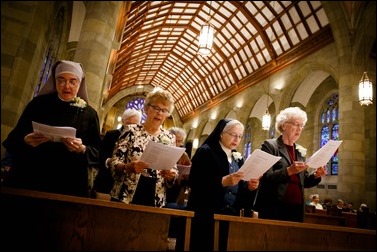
(365, 85)
(266, 119)
(365, 90)
(206, 36)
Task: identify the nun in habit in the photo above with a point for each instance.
(62, 165)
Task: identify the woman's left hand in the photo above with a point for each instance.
(252, 184)
(169, 174)
(319, 172)
(74, 144)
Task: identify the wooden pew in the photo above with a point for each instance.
(324, 219)
(321, 211)
(252, 234)
(52, 222)
(345, 219)
(351, 219)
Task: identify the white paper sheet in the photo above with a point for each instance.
(257, 164)
(323, 155)
(161, 156)
(53, 132)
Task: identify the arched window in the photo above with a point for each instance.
(51, 51)
(330, 130)
(137, 103)
(247, 138)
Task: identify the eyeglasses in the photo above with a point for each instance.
(71, 82)
(297, 125)
(235, 136)
(158, 109)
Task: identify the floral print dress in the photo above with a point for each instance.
(130, 146)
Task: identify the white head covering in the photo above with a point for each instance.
(71, 68)
(65, 66)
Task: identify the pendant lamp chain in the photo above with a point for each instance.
(365, 85)
(266, 119)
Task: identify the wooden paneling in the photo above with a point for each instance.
(248, 234)
(351, 219)
(345, 219)
(324, 219)
(45, 221)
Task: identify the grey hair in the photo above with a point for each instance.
(130, 112)
(231, 124)
(288, 114)
(160, 95)
(178, 131)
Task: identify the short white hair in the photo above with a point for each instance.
(178, 131)
(288, 114)
(130, 112)
(232, 123)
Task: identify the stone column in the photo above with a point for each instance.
(95, 44)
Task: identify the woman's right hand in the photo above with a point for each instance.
(232, 179)
(136, 166)
(296, 167)
(35, 139)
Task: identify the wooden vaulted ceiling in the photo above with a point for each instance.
(252, 39)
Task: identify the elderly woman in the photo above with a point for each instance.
(315, 201)
(175, 195)
(104, 180)
(281, 192)
(180, 136)
(134, 181)
(217, 185)
(56, 165)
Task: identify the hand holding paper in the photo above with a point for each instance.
(257, 164)
(52, 132)
(232, 179)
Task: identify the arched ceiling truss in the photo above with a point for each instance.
(252, 40)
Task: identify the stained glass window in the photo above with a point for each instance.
(329, 119)
(51, 51)
(138, 103)
(247, 138)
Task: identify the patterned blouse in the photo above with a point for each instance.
(130, 146)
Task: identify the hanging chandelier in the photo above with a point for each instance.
(266, 120)
(365, 90)
(206, 36)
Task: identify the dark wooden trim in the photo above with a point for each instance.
(252, 234)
